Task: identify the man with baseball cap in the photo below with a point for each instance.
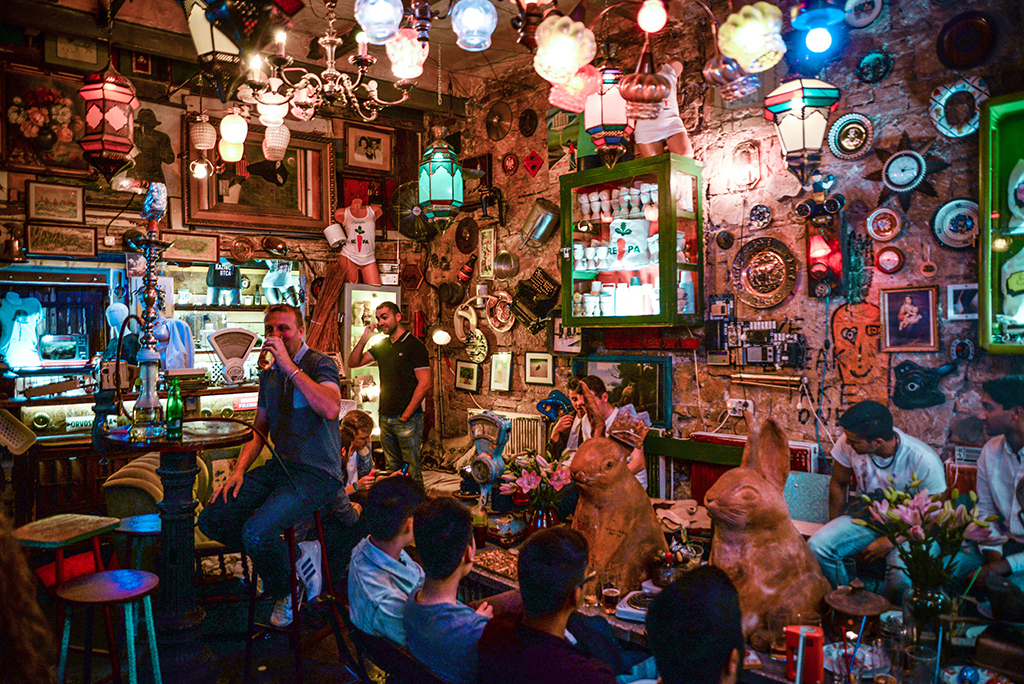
(870, 456)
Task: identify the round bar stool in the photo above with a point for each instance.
(111, 588)
(141, 527)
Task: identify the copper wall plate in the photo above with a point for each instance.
(764, 272)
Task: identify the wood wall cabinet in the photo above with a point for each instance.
(632, 244)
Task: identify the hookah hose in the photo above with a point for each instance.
(260, 433)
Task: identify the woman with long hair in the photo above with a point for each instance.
(26, 646)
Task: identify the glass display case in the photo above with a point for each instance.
(632, 244)
(360, 303)
(1001, 214)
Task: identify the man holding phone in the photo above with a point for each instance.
(298, 406)
(404, 382)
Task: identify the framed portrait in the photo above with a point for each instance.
(909, 319)
(539, 369)
(293, 196)
(74, 53)
(501, 372)
(962, 302)
(50, 148)
(54, 203)
(200, 247)
(643, 381)
(486, 247)
(368, 148)
(43, 239)
(565, 340)
(467, 376)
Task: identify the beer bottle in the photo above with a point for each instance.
(175, 411)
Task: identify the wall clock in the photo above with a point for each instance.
(889, 260)
(904, 169)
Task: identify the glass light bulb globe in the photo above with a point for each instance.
(407, 55)
(652, 16)
(233, 128)
(473, 22)
(229, 151)
(818, 39)
(380, 19)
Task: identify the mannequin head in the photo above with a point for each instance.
(116, 313)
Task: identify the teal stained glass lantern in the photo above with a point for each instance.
(440, 183)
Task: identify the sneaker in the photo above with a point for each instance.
(282, 615)
(307, 567)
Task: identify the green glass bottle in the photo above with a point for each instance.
(175, 411)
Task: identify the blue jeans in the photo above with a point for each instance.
(403, 443)
(840, 539)
(266, 505)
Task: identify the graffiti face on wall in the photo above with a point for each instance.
(855, 330)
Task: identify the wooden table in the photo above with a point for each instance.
(179, 618)
(61, 531)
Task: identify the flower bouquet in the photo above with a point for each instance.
(533, 476)
(44, 117)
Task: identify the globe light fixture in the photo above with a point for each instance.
(440, 183)
(229, 151)
(407, 55)
(563, 46)
(818, 39)
(800, 109)
(202, 134)
(234, 128)
(819, 18)
(275, 143)
(652, 16)
(473, 22)
(753, 37)
(380, 19)
(109, 120)
(604, 118)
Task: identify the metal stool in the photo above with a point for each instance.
(110, 588)
(295, 628)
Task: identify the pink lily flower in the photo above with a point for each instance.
(560, 478)
(529, 481)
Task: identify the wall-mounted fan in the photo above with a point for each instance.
(405, 213)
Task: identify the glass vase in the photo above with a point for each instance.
(541, 517)
(923, 609)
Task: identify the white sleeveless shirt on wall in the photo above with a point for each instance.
(360, 238)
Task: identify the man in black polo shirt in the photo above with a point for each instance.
(404, 382)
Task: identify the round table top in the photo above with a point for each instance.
(112, 586)
(196, 435)
(62, 530)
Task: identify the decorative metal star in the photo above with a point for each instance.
(904, 169)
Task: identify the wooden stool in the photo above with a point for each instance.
(138, 526)
(110, 588)
(295, 628)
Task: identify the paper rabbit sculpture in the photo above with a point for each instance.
(756, 543)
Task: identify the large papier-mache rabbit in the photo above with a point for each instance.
(756, 543)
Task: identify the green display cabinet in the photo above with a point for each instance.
(632, 244)
(1001, 210)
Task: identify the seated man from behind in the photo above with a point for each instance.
(381, 575)
(442, 632)
(694, 629)
(532, 649)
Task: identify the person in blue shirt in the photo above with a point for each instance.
(382, 575)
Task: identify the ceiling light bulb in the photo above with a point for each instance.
(234, 129)
(819, 39)
(380, 19)
(652, 16)
(473, 22)
(201, 168)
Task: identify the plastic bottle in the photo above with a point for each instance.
(175, 411)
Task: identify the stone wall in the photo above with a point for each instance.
(907, 30)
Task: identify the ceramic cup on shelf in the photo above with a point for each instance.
(585, 206)
(595, 287)
(592, 304)
(601, 254)
(577, 256)
(608, 302)
(590, 252)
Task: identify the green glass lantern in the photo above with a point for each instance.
(440, 183)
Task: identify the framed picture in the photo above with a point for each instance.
(467, 376)
(909, 320)
(74, 53)
(57, 240)
(54, 203)
(539, 369)
(52, 148)
(368, 148)
(191, 247)
(501, 372)
(565, 340)
(486, 246)
(962, 302)
(643, 381)
(292, 196)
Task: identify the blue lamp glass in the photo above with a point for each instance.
(380, 19)
(440, 183)
(473, 22)
(818, 18)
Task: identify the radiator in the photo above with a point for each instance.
(528, 432)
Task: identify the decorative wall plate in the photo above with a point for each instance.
(889, 259)
(466, 235)
(884, 224)
(510, 164)
(955, 224)
(499, 312)
(860, 13)
(724, 239)
(528, 123)
(850, 137)
(966, 40)
(760, 216)
(764, 272)
(903, 171)
(874, 66)
(974, 90)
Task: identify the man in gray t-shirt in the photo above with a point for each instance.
(298, 406)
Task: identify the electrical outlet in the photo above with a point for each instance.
(736, 407)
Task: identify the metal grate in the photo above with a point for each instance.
(527, 431)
